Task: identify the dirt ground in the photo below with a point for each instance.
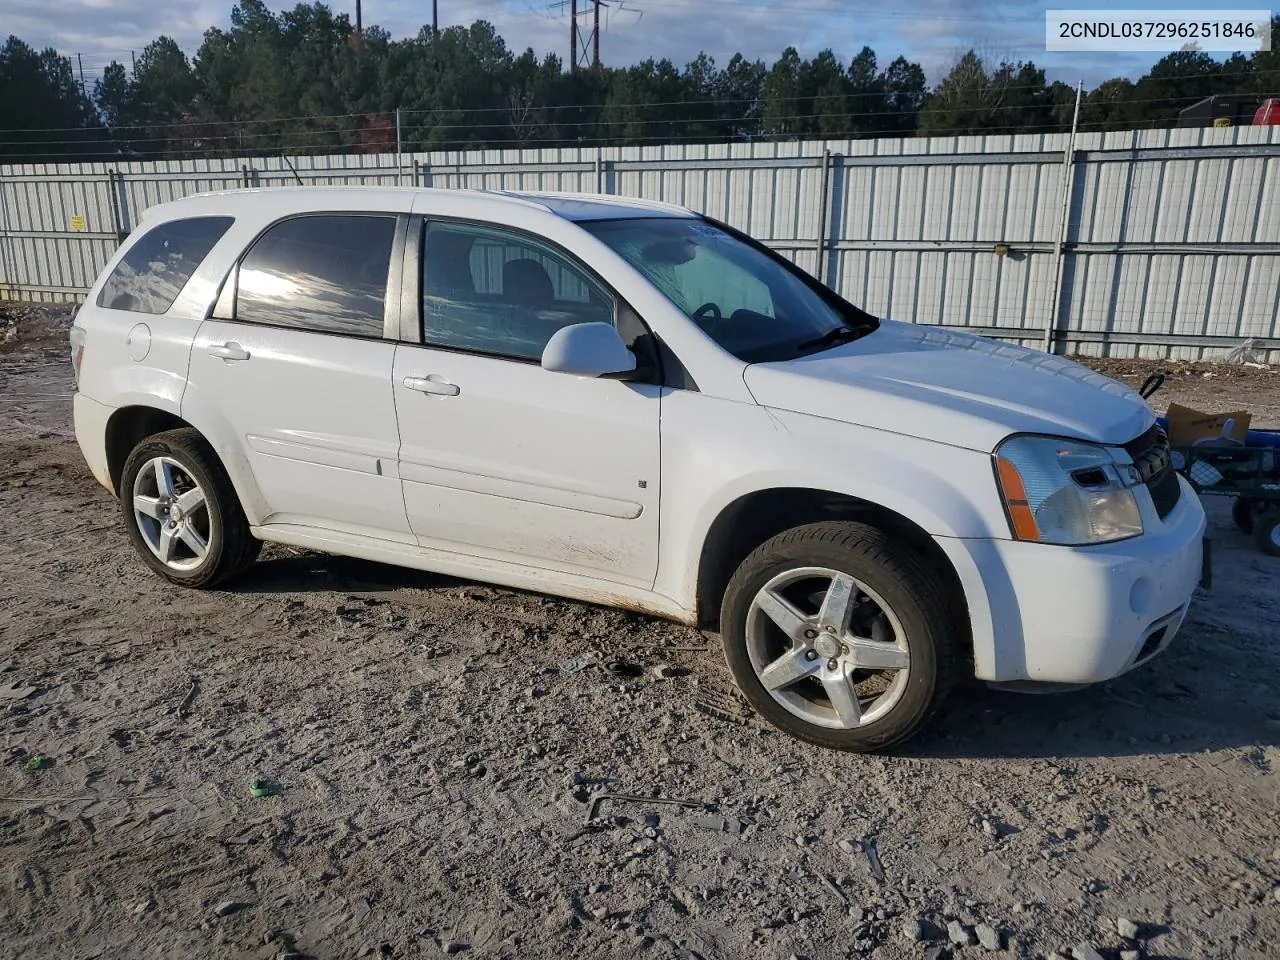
(427, 745)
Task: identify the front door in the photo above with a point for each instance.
(300, 366)
(504, 460)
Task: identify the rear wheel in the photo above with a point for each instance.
(182, 513)
(839, 636)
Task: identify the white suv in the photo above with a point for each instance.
(630, 404)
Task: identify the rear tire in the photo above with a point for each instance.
(182, 513)
(839, 636)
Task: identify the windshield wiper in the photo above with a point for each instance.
(835, 335)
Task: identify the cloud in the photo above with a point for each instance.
(932, 32)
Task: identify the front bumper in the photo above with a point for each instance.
(1078, 615)
(90, 419)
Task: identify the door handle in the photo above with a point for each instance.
(431, 384)
(228, 351)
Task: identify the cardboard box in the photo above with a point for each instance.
(1188, 427)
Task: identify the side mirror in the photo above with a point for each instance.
(588, 350)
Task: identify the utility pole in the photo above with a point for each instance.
(573, 36)
(134, 61)
(584, 49)
(83, 89)
(359, 21)
(595, 33)
(435, 17)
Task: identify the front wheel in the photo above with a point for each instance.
(839, 636)
(181, 511)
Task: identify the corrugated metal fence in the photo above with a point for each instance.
(1159, 243)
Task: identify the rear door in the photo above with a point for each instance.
(298, 361)
(501, 459)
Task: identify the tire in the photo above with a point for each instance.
(898, 604)
(1266, 531)
(214, 518)
(1242, 514)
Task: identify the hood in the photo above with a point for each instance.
(953, 388)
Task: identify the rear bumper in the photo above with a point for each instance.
(1080, 615)
(91, 418)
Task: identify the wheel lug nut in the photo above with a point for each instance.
(833, 664)
(810, 634)
(844, 648)
(811, 654)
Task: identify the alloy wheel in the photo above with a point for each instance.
(827, 647)
(172, 513)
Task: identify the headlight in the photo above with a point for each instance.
(1066, 491)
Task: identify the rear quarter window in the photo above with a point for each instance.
(158, 265)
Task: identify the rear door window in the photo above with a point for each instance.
(326, 273)
(158, 265)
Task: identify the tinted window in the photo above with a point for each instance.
(157, 266)
(325, 273)
(502, 293)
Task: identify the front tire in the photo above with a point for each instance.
(839, 636)
(182, 513)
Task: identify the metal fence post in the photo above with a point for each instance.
(399, 151)
(824, 203)
(8, 256)
(115, 187)
(1059, 296)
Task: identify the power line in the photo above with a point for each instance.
(724, 101)
(716, 122)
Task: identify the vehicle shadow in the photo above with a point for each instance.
(280, 572)
(1176, 707)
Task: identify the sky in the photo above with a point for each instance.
(933, 33)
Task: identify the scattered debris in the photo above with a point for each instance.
(228, 907)
(664, 671)
(579, 663)
(830, 885)
(849, 846)
(989, 936)
(1084, 951)
(34, 763)
(1127, 928)
(185, 705)
(593, 805)
(873, 859)
(263, 788)
(719, 824)
(959, 934)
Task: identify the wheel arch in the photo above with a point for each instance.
(752, 518)
(130, 425)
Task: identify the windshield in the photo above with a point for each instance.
(749, 300)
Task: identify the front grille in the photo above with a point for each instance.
(1151, 455)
